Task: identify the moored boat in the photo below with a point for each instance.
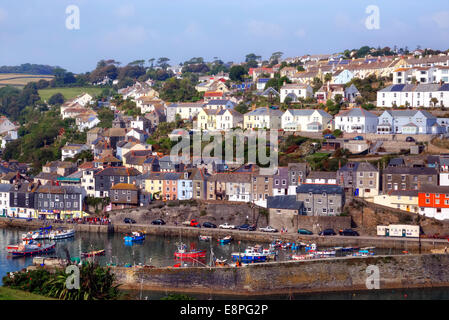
(249, 255)
(205, 238)
(62, 234)
(135, 236)
(93, 253)
(29, 248)
(182, 252)
(225, 240)
(41, 234)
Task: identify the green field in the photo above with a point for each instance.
(13, 294)
(68, 93)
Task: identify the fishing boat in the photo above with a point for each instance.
(249, 255)
(29, 248)
(135, 236)
(306, 256)
(41, 234)
(182, 253)
(310, 247)
(363, 253)
(220, 263)
(225, 240)
(62, 234)
(205, 238)
(325, 253)
(93, 253)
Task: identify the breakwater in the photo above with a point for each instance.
(326, 275)
(410, 244)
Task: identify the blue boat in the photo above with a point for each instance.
(225, 240)
(135, 236)
(250, 255)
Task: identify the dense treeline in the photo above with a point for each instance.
(28, 68)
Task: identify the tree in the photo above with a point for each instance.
(434, 101)
(328, 77)
(236, 73)
(56, 99)
(163, 62)
(338, 98)
(252, 57)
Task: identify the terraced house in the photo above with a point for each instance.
(408, 122)
(57, 202)
(262, 118)
(359, 179)
(408, 178)
(108, 177)
(321, 199)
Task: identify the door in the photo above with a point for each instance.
(387, 232)
(404, 234)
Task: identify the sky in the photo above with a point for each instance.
(35, 31)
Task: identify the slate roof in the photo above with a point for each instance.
(319, 189)
(284, 202)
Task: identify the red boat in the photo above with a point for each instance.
(93, 253)
(193, 253)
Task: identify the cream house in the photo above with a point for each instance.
(308, 120)
(405, 200)
(228, 119)
(262, 118)
(206, 119)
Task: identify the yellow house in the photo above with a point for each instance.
(216, 86)
(154, 184)
(206, 119)
(405, 200)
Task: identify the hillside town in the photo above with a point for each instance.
(388, 152)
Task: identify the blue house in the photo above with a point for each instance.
(342, 77)
(408, 122)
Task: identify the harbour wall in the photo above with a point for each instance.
(411, 245)
(333, 274)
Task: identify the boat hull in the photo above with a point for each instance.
(17, 253)
(249, 258)
(198, 254)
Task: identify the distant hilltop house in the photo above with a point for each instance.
(138, 90)
(8, 131)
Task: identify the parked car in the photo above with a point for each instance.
(358, 138)
(327, 232)
(226, 226)
(409, 139)
(348, 232)
(209, 225)
(268, 229)
(129, 220)
(305, 231)
(329, 136)
(247, 227)
(158, 222)
(195, 224)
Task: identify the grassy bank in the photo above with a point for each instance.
(14, 294)
(68, 93)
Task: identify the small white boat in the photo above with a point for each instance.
(205, 238)
(62, 234)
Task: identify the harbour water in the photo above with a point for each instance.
(159, 251)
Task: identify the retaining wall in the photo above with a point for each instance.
(336, 274)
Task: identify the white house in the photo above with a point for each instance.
(262, 118)
(296, 91)
(83, 99)
(308, 120)
(70, 150)
(4, 199)
(227, 119)
(356, 120)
